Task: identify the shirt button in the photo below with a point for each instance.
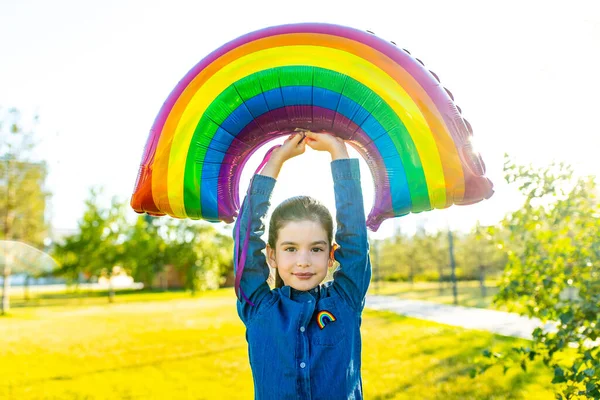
(302, 329)
(302, 365)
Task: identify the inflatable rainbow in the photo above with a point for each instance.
(318, 77)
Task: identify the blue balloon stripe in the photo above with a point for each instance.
(374, 129)
(240, 116)
(297, 95)
(274, 99)
(326, 98)
(257, 105)
(352, 110)
(301, 95)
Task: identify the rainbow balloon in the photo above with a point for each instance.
(318, 77)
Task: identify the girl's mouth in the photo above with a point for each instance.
(303, 276)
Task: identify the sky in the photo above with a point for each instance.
(525, 74)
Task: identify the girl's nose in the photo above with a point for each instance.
(303, 259)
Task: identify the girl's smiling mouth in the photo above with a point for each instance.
(303, 275)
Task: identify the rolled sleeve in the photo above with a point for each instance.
(353, 276)
(256, 270)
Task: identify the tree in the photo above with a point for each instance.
(99, 244)
(479, 254)
(105, 239)
(224, 257)
(553, 251)
(201, 253)
(67, 254)
(145, 249)
(391, 260)
(433, 254)
(402, 257)
(22, 194)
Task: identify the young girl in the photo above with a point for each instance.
(303, 336)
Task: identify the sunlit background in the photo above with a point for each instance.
(145, 307)
(525, 74)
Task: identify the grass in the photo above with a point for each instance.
(469, 294)
(79, 298)
(172, 346)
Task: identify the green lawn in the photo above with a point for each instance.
(469, 294)
(171, 346)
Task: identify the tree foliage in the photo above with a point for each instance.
(144, 248)
(478, 253)
(553, 248)
(22, 193)
(425, 255)
(98, 242)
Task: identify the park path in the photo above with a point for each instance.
(500, 322)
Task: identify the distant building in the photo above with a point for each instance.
(169, 278)
(57, 235)
(19, 280)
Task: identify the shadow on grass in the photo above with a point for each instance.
(191, 355)
(85, 298)
(449, 376)
(461, 364)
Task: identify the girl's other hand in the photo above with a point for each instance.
(327, 142)
(292, 147)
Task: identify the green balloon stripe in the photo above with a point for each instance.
(203, 134)
(295, 76)
(332, 80)
(269, 79)
(248, 87)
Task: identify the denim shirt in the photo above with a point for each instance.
(291, 356)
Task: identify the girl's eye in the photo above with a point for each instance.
(289, 249)
(317, 249)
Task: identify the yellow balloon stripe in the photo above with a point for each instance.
(453, 173)
(361, 70)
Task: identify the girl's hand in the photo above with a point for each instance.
(292, 147)
(327, 142)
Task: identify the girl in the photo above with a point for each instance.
(303, 336)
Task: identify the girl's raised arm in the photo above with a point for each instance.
(250, 225)
(352, 278)
(253, 286)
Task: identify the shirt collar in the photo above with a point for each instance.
(294, 294)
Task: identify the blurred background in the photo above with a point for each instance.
(100, 302)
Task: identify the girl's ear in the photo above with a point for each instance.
(331, 254)
(271, 257)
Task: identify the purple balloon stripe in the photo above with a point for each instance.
(233, 164)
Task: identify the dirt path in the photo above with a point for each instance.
(500, 322)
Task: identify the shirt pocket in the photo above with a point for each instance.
(328, 326)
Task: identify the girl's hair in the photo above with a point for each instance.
(299, 208)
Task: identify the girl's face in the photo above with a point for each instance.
(302, 254)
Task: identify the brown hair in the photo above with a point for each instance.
(299, 208)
